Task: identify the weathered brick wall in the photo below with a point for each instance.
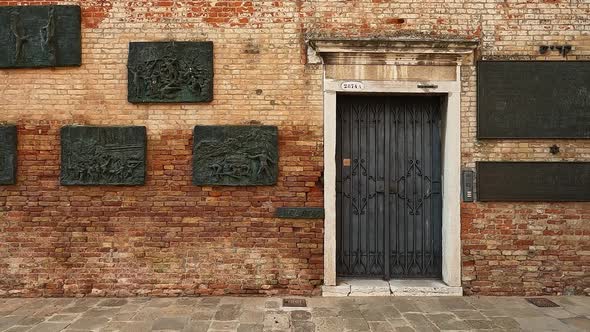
(170, 237)
(525, 248)
(522, 248)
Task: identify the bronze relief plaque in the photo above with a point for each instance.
(170, 72)
(533, 181)
(235, 155)
(103, 155)
(40, 36)
(7, 155)
(533, 99)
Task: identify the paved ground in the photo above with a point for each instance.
(268, 314)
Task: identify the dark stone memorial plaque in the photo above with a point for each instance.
(533, 181)
(170, 72)
(7, 155)
(533, 99)
(103, 155)
(40, 36)
(235, 155)
(300, 213)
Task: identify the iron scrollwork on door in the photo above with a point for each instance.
(388, 187)
(422, 188)
(359, 201)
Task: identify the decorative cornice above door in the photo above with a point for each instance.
(394, 51)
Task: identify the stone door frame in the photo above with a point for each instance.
(359, 55)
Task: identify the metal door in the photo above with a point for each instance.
(388, 186)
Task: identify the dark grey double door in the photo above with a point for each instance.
(388, 186)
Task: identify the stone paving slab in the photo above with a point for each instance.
(261, 314)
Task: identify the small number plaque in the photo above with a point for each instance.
(352, 86)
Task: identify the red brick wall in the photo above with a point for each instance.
(165, 238)
(522, 248)
(526, 249)
(170, 237)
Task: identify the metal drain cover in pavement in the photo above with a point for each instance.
(542, 302)
(294, 303)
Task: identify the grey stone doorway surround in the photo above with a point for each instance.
(396, 66)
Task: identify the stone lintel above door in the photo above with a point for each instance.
(441, 52)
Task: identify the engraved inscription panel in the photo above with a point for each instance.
(39, 36)
(170, 72)
(533, 99)
(533, 181)
(103, 155)
(7, 155)
(300, 213)
(235, 155)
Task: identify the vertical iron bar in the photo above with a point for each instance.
(399, 133)
(380, 167)
(350, 222)
(415, 180)
(434, 206)
(367, 191)
(436, 175)
(405, 215)
(359, 187)
(386, 235)
(376, 167)
(438, 230)
(338, 194)
(422, 215)
(432, 180)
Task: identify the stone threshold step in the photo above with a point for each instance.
(376, 287)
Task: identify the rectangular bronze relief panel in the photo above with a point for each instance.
(103, 155)
(170, 72)
(40, 36)
(533, 181)
(7, 155)
(235, 155)
(533, 99)
(300, 213)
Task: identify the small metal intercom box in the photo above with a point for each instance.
(467, 179)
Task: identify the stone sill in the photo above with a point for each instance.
(375, 287)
